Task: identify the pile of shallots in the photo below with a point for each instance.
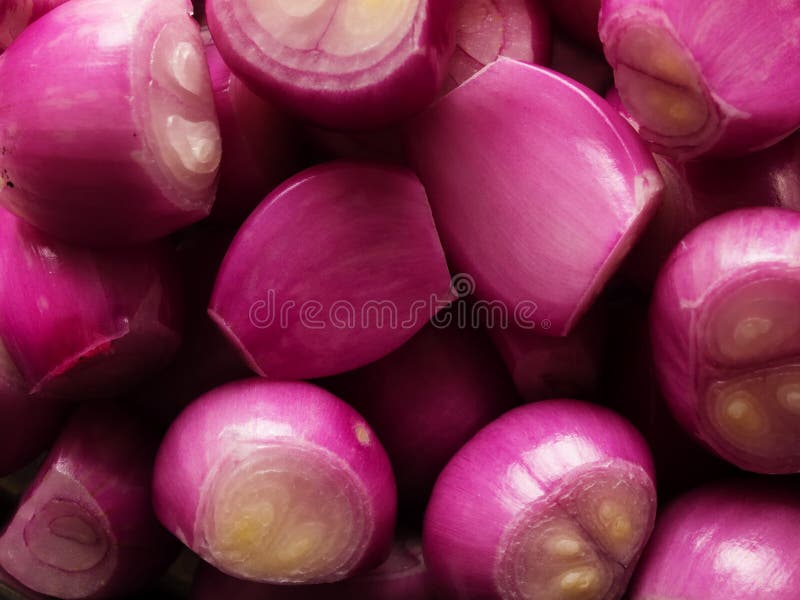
(400, 299)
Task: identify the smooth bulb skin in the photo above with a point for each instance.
(723, 541)
(31, 423)
(565, 495)
(488, 29)
(511, 239)
(701, 81)
(341, 64)
(427, 399)
(629, 385)
(136, 119)
(276, 483)
(697, 190)
(205, 359)
(81, 323)
(726, 337)
(389, 277)
(259, 144)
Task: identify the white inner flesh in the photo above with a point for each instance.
(342, 28)
(757, 322)
(300, 8)
(186, 67)
(741, 414)
(759, 414)
(614, 511)
(659, 83)
(182, 111)
(288, 517)
(789, 397)
(558, 562)
(197, 145)
(361, 25)
(580, 583)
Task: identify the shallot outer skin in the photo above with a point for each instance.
(697, 190)
(630, 386)
(83, 324)
(229, 464)
(426, 399)
(703, 78)
(330, 69)
(205, 359)
(108, 136)
(540, 238)
(31, 423)
(513, 514)
(725, 340)
(85, 527)
(735, 540)
(489, 29)
(259, 144)
(336, 268)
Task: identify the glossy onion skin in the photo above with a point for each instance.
(738, 60)
(402, 577)
(100, 468)
(78, 161)
(739, 248)
(511, 239)
(697, 190)
(259, 144)
(257, 416)
(735, 540)
(205, 359)
(31, 423)
(488, 29)
(377, 222)
(427, 399)
(630, 386)
(84, 323)
(518, 464)
(770, 177)
(335, 92)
